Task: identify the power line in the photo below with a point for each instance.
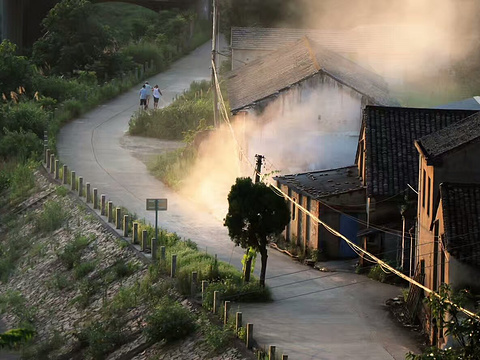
(377, 260)
(349, 242)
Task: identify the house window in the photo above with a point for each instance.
(423, 188)
(429, 186)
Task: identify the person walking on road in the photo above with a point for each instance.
(156, 96)
(149, 92)
(143, 98)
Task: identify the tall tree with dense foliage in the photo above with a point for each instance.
(255, 215)
(72, 40)
(15, 70)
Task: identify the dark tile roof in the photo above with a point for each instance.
(278, 70)
(391, 158)
(461, 217)
(269, 39)
(321, 184)
(455, 136)
(472, 103)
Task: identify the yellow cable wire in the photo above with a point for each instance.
(377, 260)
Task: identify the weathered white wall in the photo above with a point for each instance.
(313, 126)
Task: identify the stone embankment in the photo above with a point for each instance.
(86, 293)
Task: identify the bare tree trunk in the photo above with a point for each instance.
(263, 271)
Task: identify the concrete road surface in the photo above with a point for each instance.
(315, 315)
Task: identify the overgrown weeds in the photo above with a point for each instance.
(72, 252)
(51, 218)
(169, 321)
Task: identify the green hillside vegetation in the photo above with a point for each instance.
(85, 294)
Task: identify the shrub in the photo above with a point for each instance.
(122, 269)
(169, 321)
(217, 338)
(144, 52)
(51, 218)
(377, 273)
(101, 338)
(27, 116)
(20, 144)
(61, 282)
(71, 253)
(83, 269)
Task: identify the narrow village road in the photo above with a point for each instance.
(315, 315)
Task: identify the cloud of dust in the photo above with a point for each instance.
(320, 133)
(403, 40)
(399, 39)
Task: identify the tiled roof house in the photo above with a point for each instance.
(388, 164)
(448, 210)
(329, 194)
(265, 78)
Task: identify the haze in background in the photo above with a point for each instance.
(406, 41)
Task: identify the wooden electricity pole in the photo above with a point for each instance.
(214, 64)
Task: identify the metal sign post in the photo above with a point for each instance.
(157, 205)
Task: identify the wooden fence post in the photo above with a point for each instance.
(65, 175)
(238, 321)
(57, 169)
(249, 339)
(88, 194)
(95, 198)
(47, 158)
(52, 163)
(226, 309)
(103, 199)
(80, 186)
(73, 181)
(110, 211)
(135, 233)
(118, 218)
(271, 352)
(144, 240)
(125, 225)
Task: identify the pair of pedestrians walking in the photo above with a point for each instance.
(145, 93)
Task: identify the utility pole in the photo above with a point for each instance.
(258, 172)
(214, 63)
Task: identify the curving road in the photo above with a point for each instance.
(315, 315)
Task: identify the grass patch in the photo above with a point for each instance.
(51, 218)
(184, 114)
(83, 269)
(101, 338)
(172, 167)
(169, 321)
(72, 252)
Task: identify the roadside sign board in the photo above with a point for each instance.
(156, 204)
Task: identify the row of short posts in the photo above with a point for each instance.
(121, 223)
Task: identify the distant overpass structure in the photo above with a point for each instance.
(21, 19)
